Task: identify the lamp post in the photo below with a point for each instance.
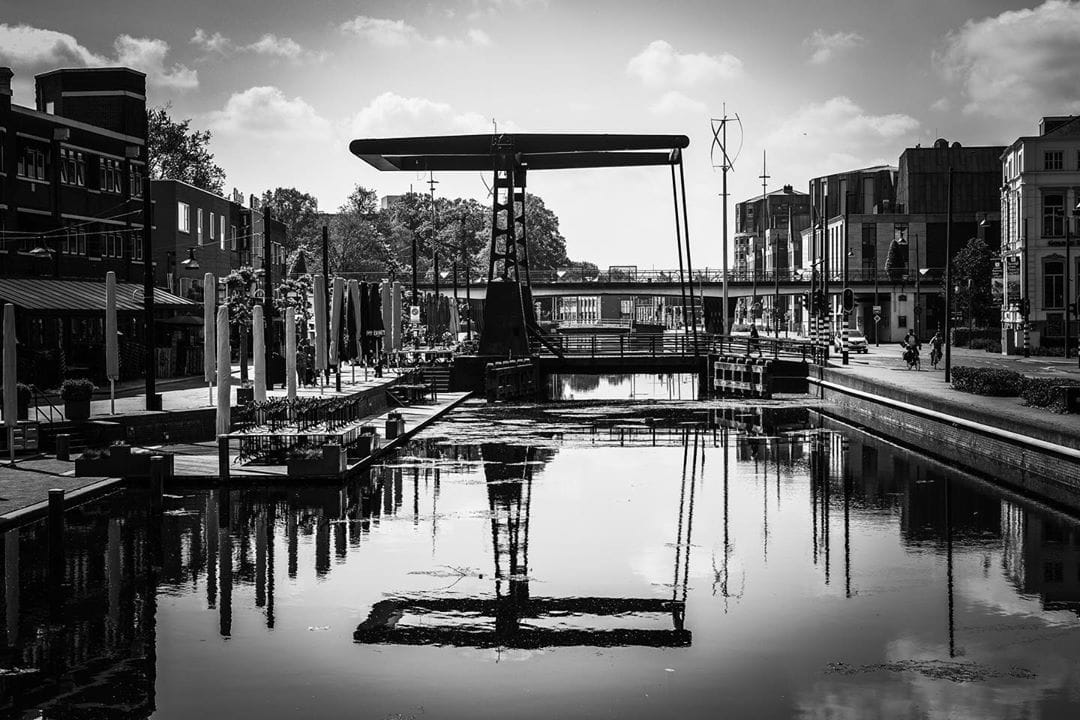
(1069, 307)
(948, 281)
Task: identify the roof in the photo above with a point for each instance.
(81, 295)
(535, 151)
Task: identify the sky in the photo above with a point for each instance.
(818, 87)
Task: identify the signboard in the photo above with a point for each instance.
(414, 314)
(877, 318)
(877, 310)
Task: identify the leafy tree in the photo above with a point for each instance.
(972, 273)
(240, 291)
(896, 262)
(177, 152)
(355, 242)
(547, 246)
(300, 213)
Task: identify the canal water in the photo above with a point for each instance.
(580, 559)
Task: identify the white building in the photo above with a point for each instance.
(1039, 193)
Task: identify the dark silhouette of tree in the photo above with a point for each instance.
(300, 213)
(179, 153)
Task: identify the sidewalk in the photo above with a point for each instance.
(928, 388)
(24, 490)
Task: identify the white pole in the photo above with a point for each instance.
(320, 325)
(290, 352)
(258, 352)
(337, 295)
(358, 323)
(209, 342)
(11, 390)
(112, 350)
(224, 372)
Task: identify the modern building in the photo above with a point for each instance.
(198, 232)
(765, 245)
(72, 183)
(1039, 192)
(890, 226)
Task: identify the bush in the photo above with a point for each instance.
(1048, 350)
(1044, 393)
(76, 389)
(987, 381)
(961, 337)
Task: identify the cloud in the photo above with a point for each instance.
(1018, 63)
(266, 113)
(942, 104)
(148, 55)
(825, 47)
(674, 102)
(269, 45)
(394, 115)
(399, 34)
(660, 65)
(23, 45)
(836, 135)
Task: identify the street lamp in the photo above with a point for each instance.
(191, 263)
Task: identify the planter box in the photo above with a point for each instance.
(120, 462)
(331, 464)
(395, 425)
(77, 409)
(245, 395)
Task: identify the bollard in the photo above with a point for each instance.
(223, 458)
(63, 447)
(157, 483)
(56, 537)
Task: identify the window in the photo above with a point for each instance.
(232, 230)
(213, 221)
(869, 250)
(74, 240)
(137, 248)
(1054, 284)
(135, 180)
(221, 230)
(32, 164)
(1053, 214)
(113, 247)
(1052, 160)
(72, 167)
(199, 224)
(110, 173)
(183, 217)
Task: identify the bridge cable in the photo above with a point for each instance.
(678, 239)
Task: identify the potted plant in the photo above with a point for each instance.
(23, 401)
(76, 394)
(316, 461)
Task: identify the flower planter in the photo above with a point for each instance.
(77, 409)
(245, 396)
(395, 425)
(330, 464)
(120, 462)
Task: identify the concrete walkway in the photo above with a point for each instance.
(927, 387)
(24, 489)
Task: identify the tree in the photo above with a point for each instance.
(896, 262)
(547, 246)
(300, 213)
(240, 289)
(177, 152)
(972, 274)
(355, 243)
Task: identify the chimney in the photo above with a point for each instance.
(5, 86)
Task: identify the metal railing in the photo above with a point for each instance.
(653, 345)
(47, 414)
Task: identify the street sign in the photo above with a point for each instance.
(877, 309)
(414, 314)
(877, 318)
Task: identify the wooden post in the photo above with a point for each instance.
(223, 458)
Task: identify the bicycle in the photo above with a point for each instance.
(935, 358)
(911, 357)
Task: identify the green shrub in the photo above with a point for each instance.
(987, 381)
(1044, 393)
(962, 337)
(76, 389)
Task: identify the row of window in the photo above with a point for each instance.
(77, 241)
(1055, 160)
(33, 164)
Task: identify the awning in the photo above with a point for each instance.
(45, 294)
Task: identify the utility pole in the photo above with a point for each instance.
(948, 282)
(433, 321)
(764, 225)
(719, 128)
(148, 288)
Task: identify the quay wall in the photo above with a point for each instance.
(1039, 458)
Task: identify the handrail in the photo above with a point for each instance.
(606, 345)
(37, 394)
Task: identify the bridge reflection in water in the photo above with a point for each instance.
(512, 618)
(834, 522)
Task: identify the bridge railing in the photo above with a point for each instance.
(650, 345)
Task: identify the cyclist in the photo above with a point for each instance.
(935, 350)
(911, 350)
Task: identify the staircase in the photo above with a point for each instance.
(438, 374)
(48, 433)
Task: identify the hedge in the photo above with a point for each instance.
(1043, 393)
(961, 337)
(987, 381)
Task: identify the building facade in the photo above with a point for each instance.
(1039, 192)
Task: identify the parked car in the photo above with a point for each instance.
(856, 342)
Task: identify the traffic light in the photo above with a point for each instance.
(1025, 307)
(849, 299)
(1072, 308)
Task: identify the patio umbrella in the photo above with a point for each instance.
(224, 371)
(385, 304)
(112, 351)
(290, 352)
(395, 314)
(320, 323)
(209, 343)
(11, 391)
(376, 327)
(258, 352)
(357, 318)
(336, 298)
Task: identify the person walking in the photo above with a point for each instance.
(935, 350)
(755, 341)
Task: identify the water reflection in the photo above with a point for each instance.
(823, 573)
(634, 386)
